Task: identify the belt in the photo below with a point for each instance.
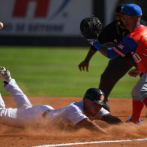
(45, 113)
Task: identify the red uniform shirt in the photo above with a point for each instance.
(136, 42)
(140, 55)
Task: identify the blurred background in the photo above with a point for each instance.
(42, 46)
(53, 22)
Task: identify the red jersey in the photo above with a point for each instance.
(140, 56)
(136, 43)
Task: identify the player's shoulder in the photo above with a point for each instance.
(76, 106)
(138, 32)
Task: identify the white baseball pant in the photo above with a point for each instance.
(24, 115)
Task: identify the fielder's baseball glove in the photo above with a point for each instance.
(90, 27)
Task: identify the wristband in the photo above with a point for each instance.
(95, 43)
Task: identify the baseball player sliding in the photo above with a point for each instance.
(77, 114)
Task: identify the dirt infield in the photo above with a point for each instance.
(16, 137)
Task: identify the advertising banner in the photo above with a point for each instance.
(43, 17)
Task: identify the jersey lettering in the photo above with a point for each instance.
(136, 57)
(117, 51)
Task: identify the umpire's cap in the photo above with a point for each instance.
(119, 9)
(95, 95)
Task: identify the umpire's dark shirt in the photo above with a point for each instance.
(113, 33)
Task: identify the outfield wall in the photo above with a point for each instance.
(51, 22)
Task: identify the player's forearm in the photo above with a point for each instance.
(90, 54)
(98, 46)
(94, 127)
(104, 51)
(90, 125)
(107, 52)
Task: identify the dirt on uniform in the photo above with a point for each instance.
(122, 108)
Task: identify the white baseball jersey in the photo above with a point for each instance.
(26, 115)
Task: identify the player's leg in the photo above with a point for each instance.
(139, 95)
(2, 104)
(25, 115)
(11, 86)
(7, 115)
(143, 91)
(114, 71)
(4, 113)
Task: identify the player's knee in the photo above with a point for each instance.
(138, 94)
(2, 111)
(135, 94)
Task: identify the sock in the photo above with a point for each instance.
(137, 108)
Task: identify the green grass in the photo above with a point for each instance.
(53, 71)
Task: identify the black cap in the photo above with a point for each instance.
(119, 9)
(95, 95)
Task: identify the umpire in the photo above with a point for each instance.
(117, 67)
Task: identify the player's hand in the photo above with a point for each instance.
(134, 72)
(84, 65)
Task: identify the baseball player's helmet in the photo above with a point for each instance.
(95, 95)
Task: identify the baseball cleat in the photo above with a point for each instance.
(5, 74)
(130, 120)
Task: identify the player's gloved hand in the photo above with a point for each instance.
(95, 43)
(84, 64)
(90, 27)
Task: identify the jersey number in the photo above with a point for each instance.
(136, 58)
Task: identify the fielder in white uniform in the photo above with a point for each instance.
(77, 114)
